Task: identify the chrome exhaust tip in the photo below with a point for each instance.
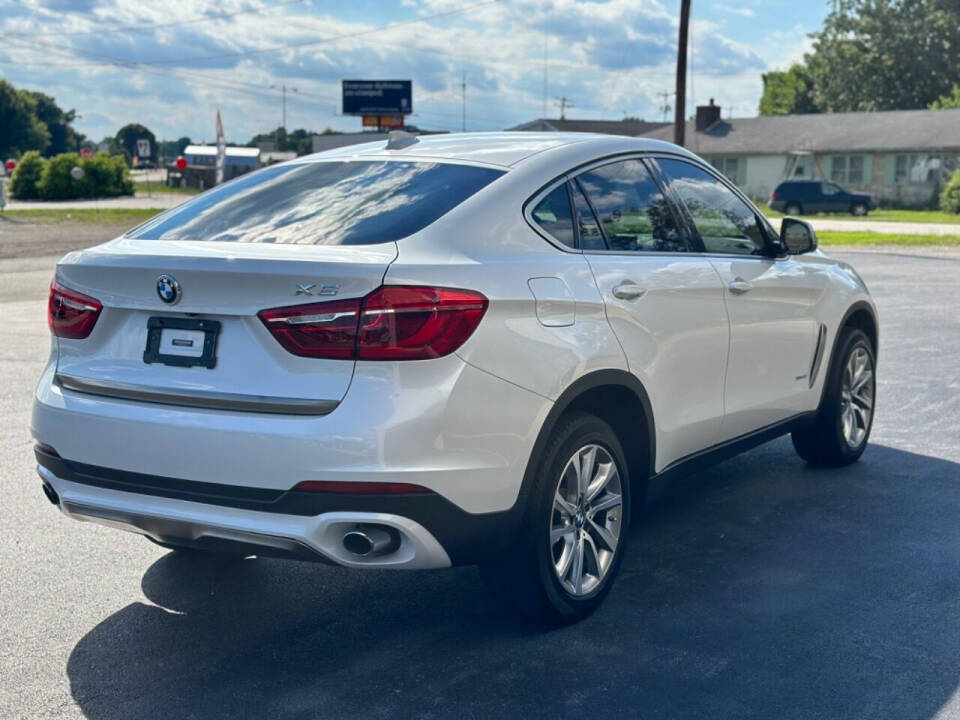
(51, 493)
(371, 540)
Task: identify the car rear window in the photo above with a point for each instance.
(323, 203)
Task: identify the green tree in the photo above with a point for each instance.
(299, 140)
(63, 138)
(127, 137)
(885, 54)
(20, 128)
(945, 102)
(23, 182)
(950, 197)
(788, 92)
(103, 176)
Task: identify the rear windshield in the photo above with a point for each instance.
(323, 203)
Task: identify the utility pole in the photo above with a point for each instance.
(283, 102)
(665, 108)
(463, 91)
(680, 111)
(545, 39)
(564, 103)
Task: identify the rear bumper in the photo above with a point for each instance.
(432, 532)
(442, 424)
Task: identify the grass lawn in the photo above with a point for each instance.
(118, 216)
(881, 215)
(834, 237)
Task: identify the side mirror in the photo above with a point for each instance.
(798, 236)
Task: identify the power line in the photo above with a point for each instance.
(157, 26)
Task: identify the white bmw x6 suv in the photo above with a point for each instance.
(447, 350)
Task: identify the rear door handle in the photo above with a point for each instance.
(628, 291)
(739, 286)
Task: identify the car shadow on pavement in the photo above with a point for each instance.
(758, 588)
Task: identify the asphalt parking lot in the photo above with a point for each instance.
(760, 588)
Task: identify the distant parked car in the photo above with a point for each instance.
(798, 197)
(146, 165)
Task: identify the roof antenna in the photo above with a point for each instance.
(400, 139)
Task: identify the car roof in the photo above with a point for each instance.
(502, 149)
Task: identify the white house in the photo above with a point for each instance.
(901, 157)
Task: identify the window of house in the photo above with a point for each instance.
(922, 168)
(731, 167)
(847, 169)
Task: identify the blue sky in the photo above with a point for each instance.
(169, 65)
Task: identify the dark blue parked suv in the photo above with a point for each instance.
(796, 197)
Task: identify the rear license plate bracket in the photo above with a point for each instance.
(182, 342)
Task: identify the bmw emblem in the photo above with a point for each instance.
(168, 289)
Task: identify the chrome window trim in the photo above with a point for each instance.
(196, 398)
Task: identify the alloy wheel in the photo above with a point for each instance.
(586, 519)
(856, 397)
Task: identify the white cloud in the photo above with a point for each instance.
(741, 11)
(611, 57)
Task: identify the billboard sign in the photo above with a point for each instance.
(143, 147)
(377, 97)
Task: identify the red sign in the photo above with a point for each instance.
(181, 163)
(86, 152)
(11, 165)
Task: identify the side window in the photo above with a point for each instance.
(830, 189)
(633, 212)
(591, 238)
(724, 222)
(554, 216)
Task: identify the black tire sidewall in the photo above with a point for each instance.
(830, 408)
(581, 429)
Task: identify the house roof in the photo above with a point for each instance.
(631, 128)
(890, 131)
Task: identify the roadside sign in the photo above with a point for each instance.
(143, 148)
(383, 121)
(181, 163)
(377, 97)
(86, 152)
(76, 172)
(11, 165)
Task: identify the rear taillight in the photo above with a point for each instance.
(71, 314)
(319, 330)
(394, 322)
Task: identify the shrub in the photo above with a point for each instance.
(23, 183)
(950, 197)
(103, 176)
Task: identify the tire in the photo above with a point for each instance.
(527, 576)
(858, 210)
(793, 209)
(849, 397)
